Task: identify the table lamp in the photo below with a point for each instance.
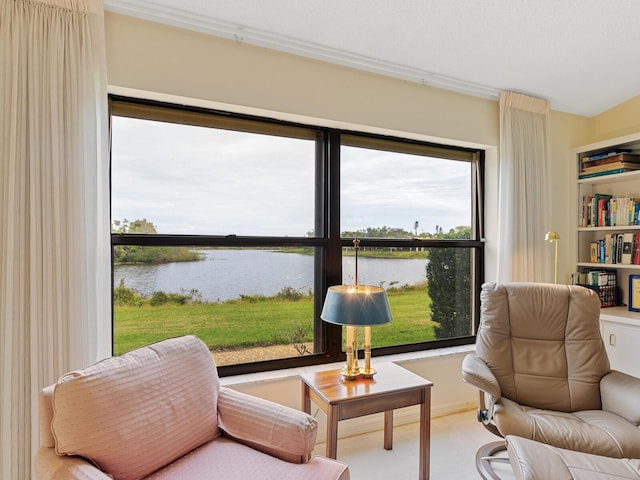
(553, 237)
(356, 306)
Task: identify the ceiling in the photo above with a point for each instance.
(581, 55)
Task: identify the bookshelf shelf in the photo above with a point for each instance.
(608, 266)
(614, 178)
(617, 228)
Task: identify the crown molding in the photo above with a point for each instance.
(178, 17)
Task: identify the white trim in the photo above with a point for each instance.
(178, 17)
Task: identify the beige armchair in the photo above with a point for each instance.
(159, 413)
(543, 373)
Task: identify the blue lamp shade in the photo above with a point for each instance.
(358, 305)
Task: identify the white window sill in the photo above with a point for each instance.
(400, 358)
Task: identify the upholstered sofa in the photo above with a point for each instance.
(159, 413)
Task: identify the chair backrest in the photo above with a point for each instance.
(543, 344)
(133, 414)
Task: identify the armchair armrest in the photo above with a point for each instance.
(476, 372)
(619, 393)
(50, 466)
(275, 429)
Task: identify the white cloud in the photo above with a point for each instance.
(198, 180)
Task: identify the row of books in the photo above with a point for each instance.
(594, 277)
(604, 282)
(603, 210)
(608, 163)
(622, 248)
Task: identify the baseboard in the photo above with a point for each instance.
(402, 416)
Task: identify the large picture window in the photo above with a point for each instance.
(232, 228)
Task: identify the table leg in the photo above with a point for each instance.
(388, 430)
(425, 434)
(332, 433)
(306, 401)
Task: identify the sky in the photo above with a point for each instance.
(198, 180)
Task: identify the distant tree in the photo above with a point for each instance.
(147, 255)
(378, 232)
(449, 279)
(137, 226)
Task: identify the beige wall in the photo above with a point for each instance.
(166, 60)
(567, 131)
(623, 119)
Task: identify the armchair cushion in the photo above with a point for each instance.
(621, 395)
(52, 466)
(133, 414)
(591, 431)
(226, 459)
(478, 374)
(532, 460)
(271, 428)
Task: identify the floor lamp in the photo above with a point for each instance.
(553, 237)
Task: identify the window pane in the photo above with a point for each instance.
(449, 275)
(246, 304)
(429, 293)
(405, 280)
(197, 180)
(399, 195)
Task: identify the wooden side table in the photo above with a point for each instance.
(392, 387)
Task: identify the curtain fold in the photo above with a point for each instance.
(524, 188)
(54, 213)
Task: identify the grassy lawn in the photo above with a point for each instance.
(243, 323)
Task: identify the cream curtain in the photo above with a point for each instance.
(54, 213)
(524, 189)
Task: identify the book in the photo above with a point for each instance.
(636, 249)
(602, 213)
(611, 166)
(608, 153)
(619, 247)
(585, 211)
(627, 248)
(599, 174)
(617, 157)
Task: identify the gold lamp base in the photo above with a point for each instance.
(352, 371)
(349, 374)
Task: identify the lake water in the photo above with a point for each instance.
(227, 274)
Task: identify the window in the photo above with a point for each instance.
(232, 228)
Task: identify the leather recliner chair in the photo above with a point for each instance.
(543, 373)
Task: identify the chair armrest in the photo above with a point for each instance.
(476, 372)
(275, 429)
(50, 466)
(620, 393)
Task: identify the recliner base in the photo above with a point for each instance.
(484, 457)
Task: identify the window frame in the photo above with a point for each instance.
(327, 239)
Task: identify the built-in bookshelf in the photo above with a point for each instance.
(609, 230)
(609, 211)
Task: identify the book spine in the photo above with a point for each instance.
(600, 174)
(627, 249)
(636, 249)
